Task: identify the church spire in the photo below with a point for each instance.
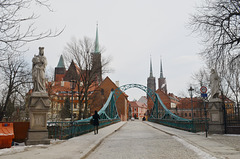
(151, 72)
(61, 62)
(161, 70)
(96, 50)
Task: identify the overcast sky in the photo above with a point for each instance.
(131, 31)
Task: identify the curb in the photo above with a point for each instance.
(92, 147)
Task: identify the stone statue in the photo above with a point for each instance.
(214, 84)
(38, 71)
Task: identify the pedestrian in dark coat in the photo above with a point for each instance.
(96, 118)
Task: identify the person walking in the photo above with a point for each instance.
(96, 118)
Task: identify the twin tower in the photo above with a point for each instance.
(162, 85)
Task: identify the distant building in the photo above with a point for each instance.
(143, 99)
(151, 82)
(177, 105)
(162, 84)
(59, 91)
(138, 109)
(100, 95)
(60, 88)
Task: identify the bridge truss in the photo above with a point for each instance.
(109, 115)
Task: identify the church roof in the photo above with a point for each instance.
(161, 70)
(61, 63)
(151, 72)
(96, 49)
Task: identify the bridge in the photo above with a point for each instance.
(132, 139)
(109, 115)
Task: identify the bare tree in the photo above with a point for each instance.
(218, 22)
(232, 80)
(16, 79)
(15, 29)
(81, 51)
(200, 78)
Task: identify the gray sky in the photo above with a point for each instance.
(131, 31)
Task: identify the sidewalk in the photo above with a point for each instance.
(217, 145)
(75, 148)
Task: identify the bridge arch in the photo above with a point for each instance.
(125, 87)
(159, 110)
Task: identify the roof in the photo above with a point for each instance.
(137, 104)
(96, 47)
(61, 63)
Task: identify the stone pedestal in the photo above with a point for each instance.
(216, 123)
(38, 109)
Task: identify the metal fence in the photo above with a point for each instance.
(66, 130)
(197, 125)
(232, 121)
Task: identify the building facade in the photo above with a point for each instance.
(100, 95)
(138, 109)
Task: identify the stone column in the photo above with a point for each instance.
(216, 123)
(38, 109)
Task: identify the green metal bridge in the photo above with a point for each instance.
(109, 115)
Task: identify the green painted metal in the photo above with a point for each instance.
(61, 63)
(120, 90)
(164, 112)
(160, 113)
(109, 115)
(65, 130)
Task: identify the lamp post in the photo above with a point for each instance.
(190, 90)
(72, 85)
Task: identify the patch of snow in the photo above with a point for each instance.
(13, 149)
(198, 151)
(238, 135)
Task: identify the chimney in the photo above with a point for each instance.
(117, 83)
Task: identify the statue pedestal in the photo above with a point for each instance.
(38, 109)
(216, 123)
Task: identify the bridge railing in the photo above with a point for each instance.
(66, 130)
(196, 125)
(160, 114)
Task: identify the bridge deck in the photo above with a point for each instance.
(78, 147)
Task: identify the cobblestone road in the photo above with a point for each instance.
(137, 140)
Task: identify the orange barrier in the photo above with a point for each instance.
(6, 135)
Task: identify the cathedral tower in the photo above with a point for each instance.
(151, 80)
(60, 70)
(96, 60)
(162, 85)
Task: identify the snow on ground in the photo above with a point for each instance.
(237, 135)
(13, 149)
(199, 152)
(20, 147)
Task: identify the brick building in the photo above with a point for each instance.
(138, 109)
(100, 96)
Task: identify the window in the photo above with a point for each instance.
(186, 114)
(102, 91)
(190, 114)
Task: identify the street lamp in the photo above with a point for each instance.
(72, 86)
(190, 90)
